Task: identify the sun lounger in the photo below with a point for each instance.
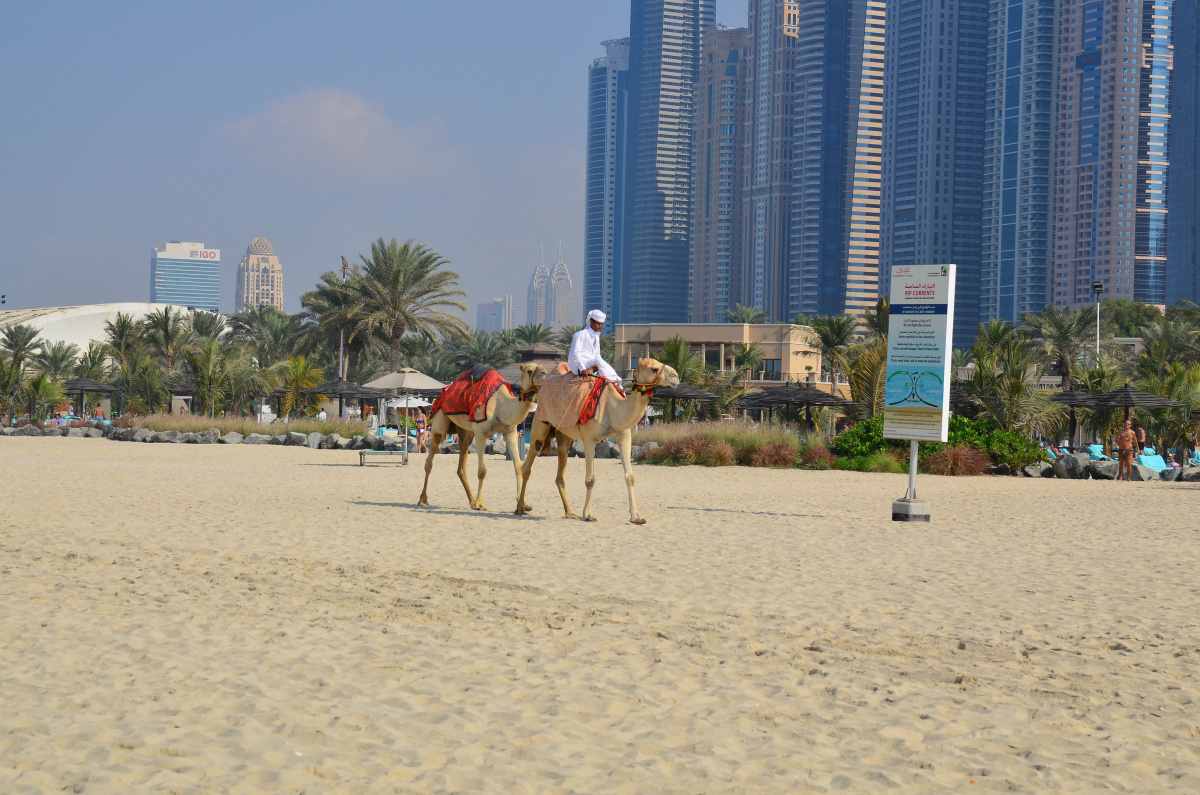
(1050, 453)
(1096, 452)
(1155, 462)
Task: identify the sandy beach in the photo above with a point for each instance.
(269, 619)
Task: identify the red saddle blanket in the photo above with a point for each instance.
(464, 396)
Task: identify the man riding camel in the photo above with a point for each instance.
(585, 350)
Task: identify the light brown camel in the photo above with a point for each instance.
(615, 417)
(504, 413)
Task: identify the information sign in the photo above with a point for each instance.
(917, 397)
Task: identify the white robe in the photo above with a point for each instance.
(585, 354)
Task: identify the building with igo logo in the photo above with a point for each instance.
(186, 274)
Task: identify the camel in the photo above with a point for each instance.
(504, 413)
(615, 417)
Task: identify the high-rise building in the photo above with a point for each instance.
(186, 274)
(1018, 202)
(766, 217)
(1111, 171)
(1183, 190)
(717, 157)
(551, 297)
(933, 145)
(259, 278)
(604, 227)
(837, 155)
(664, 56)
(494, 315)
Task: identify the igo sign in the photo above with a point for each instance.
(204, 253)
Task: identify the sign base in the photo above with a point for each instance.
(910, 511)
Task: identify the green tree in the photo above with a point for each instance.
(482, 347)
(534, 333)
(145, 385)
(45, 394)
(169, 334)
(876, 320)
(746, 314)
(677, 353)
(1005, 385)
(20, 342)
(1065, 334)
(212, 371)
(208, 326)
(1121, 318)
(867, 374)
(123, 334)
(269, 334)
(565, 337)
(747, 356)
(297, 374)
(327, 309)
(833, 335)
(93, 363)
(57, 359)
(994, 333)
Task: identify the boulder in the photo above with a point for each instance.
(188, 438)
(109, 430)
(608, 449)
(500, 447)
(1038, 469)
(211, 436)
(412, 445)
(28, 430)
(489, 448)
(7, 431)
(1073, 466)
(394, 443)
(259, 438)
(166, 437)
(279, 439)
(999, 469)
(329, 441)
(1143, 474)
(142, 435)
(77, 433)
(577, 450)
(636, 453)
(1190, 475)
(650, 446)
(1103, 470)
(230, 438)
(294, 439)
(1170, 474)
(54, 431)
(93, 433)
(342, 443)
(313, 442)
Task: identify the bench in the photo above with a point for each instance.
(362, 455)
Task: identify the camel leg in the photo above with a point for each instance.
(438, 425)
(537, 440)
(589, 455)
(510, 441)
(624, 443)
(560, 480)
(480, 447)
(464, 444)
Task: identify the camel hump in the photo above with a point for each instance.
(479, 372)
(562, 369)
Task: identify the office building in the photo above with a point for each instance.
(766, 218)
(259, 278)
(1111, 174)
(717, 158)
(664, 55)
(837, 153)
(933, 145)
(604, 214)
(1018, 203)
(551, 297)
(494, 315)
(186, 274)
(1183, 188)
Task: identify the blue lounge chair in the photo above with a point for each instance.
(1050, 453)
(1155, 462)
(1195, 459)
(1096, 452)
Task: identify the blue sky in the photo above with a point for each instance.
(318, 126)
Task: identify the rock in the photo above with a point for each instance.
(394, 443)
(1190, 475)
(280, 438)
(295, 439)
(999, 469)
(165, 437)
(76, 433)
(107, 431)
(1143, 474)
(329, 442)
(54, 431)
(650, 446)
(1073, 466)
(577, 450)
(8, 431)
(211, 436)
(500, 447)
(28, 430)
(259, 438)
(489, 448)
(1038, 469)
(412, 445)
(230, 438)
(93, 433)
(188, 438)
(636, 453)
(608, 449)
(314, 440)
(344, 444)
(1103, 470)
(142, 435)
(1170, 474)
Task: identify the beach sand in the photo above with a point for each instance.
(268, 619)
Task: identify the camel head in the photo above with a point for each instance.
(651, 372)
(532, 374)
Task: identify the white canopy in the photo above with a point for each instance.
(405, 378)
(407, 402)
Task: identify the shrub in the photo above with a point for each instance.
(194, 423)
(692, 449)
(863, 439)
(815, 455)
(774, 454)
(957, 460)
(881, 461)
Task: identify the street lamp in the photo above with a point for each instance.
(1097, 291)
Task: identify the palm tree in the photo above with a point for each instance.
(746, 314)
(867, 367)
(327, 306)
(44, 394)
(566, 336)
(169, 334)
(93, 363)
(145, 382)
(1104, 377)
(876, 320)
(20, 342)
(1005, 386)
(247, 382)
(1065, 334)
(208, 326)
(212, 372)
(533, 333)
(270, 334)
(57, 359)
(747, 356)
(994, 333)
(402, 290)
(832, 335)
(123, 335)
(677, 353)
(1167, 341)
(297, 374)
(482, 347)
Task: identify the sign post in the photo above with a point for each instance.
(917, 397)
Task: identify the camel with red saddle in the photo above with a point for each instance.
(502, 412)
(615, 417)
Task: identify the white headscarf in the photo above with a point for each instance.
(596, 315)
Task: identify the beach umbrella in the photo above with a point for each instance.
(338, 389)
(793, 395)
(406, 378)
(82, 385)
(1129, 398)
(1074, 399)
(683, 392)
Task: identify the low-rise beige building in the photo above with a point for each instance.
(788, 354)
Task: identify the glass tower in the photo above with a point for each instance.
(664, 56)
(1183, 191)
(608, 93)
(933, 144)
(185, 274)
(1018, 170)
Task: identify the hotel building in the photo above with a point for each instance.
(1183, 190)
(186, 274)
(259, 278)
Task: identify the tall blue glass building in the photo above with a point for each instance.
(186, 274)
(1183, 190)
(664, 56)
(604, 192)
(1018, 171)
(933, 144)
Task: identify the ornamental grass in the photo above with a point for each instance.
(192, 423)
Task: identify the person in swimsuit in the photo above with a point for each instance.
(421, 433)
(1126, 444)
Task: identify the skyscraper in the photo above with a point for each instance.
(717, 157)
(259, 278)
(1183, 189)
(933, 144)
(837, 147)
(1111, 180)
(766, 218)
(1018, 202)
(187, 274)
(551, 298)
(664, 55)
(604, 228)
(494, 315)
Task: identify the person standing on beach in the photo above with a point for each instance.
(1126, 443)
(1141, 438)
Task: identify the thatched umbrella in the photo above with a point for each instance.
(794, 395)
(82, 385)
(1074, 399)
(1129, 398)
(683, 392)
(340, 390)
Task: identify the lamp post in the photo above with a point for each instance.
(342, 331)
(1097, 291)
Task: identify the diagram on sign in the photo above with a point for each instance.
(913, 388)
